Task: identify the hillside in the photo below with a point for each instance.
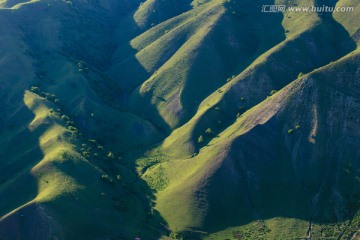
(168, 119)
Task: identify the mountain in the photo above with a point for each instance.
(168, 119)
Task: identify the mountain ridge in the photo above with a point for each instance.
(169, 120)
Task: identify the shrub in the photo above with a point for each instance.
(209, 131)
(64, 117)
(297, 127)
(86, 154)
(273, 92)
(111, 155)
(64, 155)
(106, 178)
(175, 235)
(290, 131)
(200, 139)
(72, 128)
(34, 89)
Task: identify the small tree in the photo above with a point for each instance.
(35, 89)
(273, 92)
(111, 155)
(209, 131)
(72, 128)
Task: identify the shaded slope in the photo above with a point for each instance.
(153, 12)
(75, 180)
(255, 169)
(110, 79)
(349, 20)
(57, 179)
(300, 53)
(67, 62)
(196, 50)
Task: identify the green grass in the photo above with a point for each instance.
(160, 120)
(193, 173)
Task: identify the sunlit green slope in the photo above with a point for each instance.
(168, 119)
(282, 160)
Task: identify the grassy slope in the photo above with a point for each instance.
(68, 64)
(197, 32)
(165, 65)
(69, 185)
(271, 71)
(222, 183)
(53, 172)
(349, 20)
(191, 204)
(196, 50)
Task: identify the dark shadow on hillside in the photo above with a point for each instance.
(256, 32)
(102, 41)
(343, 41)
(126, 69)
(241, 35)
(284, 193)
(19, 153)
(285, 175)
(119, 208)
(85, 36)
(130, 199)
(283, 198)
(270, 183)
(282, 67)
